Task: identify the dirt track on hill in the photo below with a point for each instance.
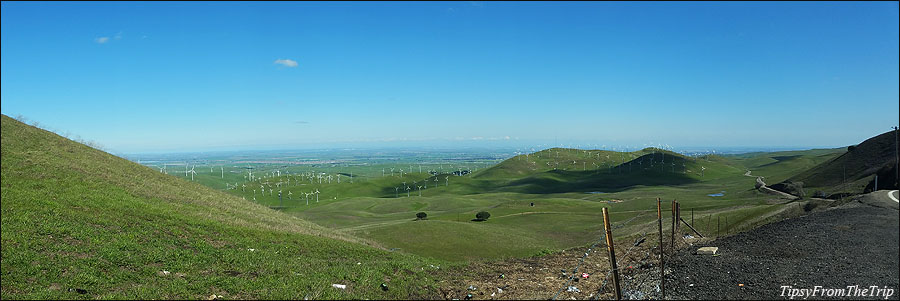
(854, 244)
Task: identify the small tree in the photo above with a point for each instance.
(482, 216)
(421, 215)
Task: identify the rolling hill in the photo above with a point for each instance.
(853, 171)
(78, 223)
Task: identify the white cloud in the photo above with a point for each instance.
(286, 62)
(101, 40)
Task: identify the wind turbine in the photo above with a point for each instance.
(223, 171)
(701, 170)
(192, 172)
(317, 195)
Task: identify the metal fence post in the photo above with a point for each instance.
(673, 227)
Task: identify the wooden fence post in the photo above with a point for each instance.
(662, 273)
(612, 253)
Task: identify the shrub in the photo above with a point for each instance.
(421, 215)
(482, 216)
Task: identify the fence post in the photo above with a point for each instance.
(718, 219)
(673, 227)
(708, 219)
(662, 273)
(677, 217)
(612, 253)
(726, 224)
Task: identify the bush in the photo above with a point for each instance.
(482, 216)
(421, 215)
(819, 194)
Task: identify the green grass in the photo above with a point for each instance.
(779, 166)
(75, 218)
(565, 214)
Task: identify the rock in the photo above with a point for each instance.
(707, 251)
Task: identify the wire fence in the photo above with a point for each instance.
(606, 279)
(589, 250)
(634, 284)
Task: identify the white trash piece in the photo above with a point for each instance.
(707, 251)
(340, 286)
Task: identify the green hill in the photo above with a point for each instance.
(78, 223)
(779, 166)
(568, 170)
(853, 171)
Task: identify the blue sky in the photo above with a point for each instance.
(147, 77)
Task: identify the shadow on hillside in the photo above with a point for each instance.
(781, 159)
(619, 179)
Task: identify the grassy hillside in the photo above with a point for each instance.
(79, 223)
(567, 198)
(776, 167)
(856, 167)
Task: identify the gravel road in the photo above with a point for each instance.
(853, 244)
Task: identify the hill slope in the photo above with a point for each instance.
(80, 223)
(859, 165)
(566, 170)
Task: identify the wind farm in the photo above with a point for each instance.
(449, 150)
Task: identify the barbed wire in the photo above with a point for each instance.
(602, 286)
(581, 261)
